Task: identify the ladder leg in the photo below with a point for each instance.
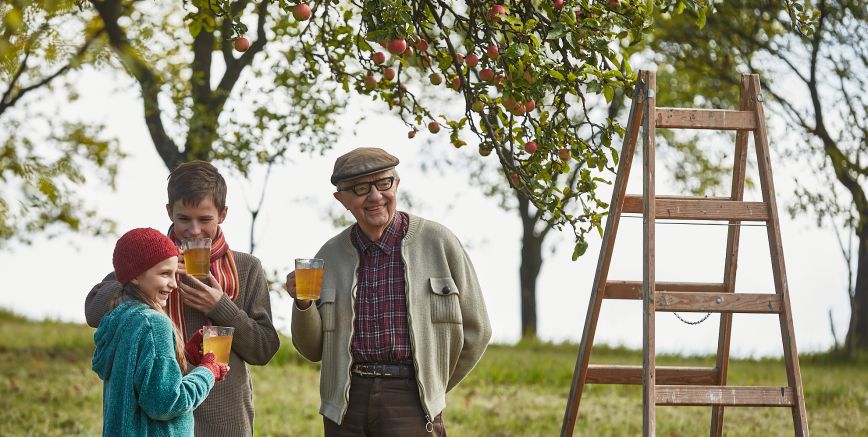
(615, 206)
(731, 262)
(649, 379)
(791, 355)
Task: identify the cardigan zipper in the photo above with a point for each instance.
(350, 344)
(429, 426)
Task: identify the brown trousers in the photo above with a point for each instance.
(384, 407)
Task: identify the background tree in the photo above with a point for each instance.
(38, 187)
(816, 82)
(190, 67)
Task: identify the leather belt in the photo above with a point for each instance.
(384, 370)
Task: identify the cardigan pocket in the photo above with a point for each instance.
(445, 307)
(326, 308)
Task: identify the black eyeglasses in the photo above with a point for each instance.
(362, 189)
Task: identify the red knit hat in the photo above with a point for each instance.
(139, 250)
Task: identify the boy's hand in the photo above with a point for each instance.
(199, 295)
(290, 288)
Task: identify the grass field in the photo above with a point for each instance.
(49, 389)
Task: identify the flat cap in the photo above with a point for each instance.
(362, 162)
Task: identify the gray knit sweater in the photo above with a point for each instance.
(449, 326)
(228, 410)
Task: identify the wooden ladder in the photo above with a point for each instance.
(691, 385)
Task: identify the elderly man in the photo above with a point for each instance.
(400, 320)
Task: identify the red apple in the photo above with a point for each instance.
(409, 52)
(486, 74)
(435, 79)
(530, 147)
(397, 46)
(509, 103)
(558, 4)
(301, 11)
(496, 11)
(530, 105)
(493, 52)
(456, 83)
(433, 127)
(518, 110)
(379, 58)
(472, 60)
(411, 134)
(421, 45)
(515, 179)
(242, 44)
(389, 74)
(564, 154)
(370, 82)
(613, 4)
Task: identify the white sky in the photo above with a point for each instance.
(293, 224)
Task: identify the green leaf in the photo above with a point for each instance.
(579, 250)
(516, 51)
(195, 27)
(556, 74)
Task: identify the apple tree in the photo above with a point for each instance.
(526, 83)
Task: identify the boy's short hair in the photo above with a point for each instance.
(191, 182)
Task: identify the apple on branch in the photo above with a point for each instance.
(301, 11)
(493, 52)
(242, 44)
(397, 46)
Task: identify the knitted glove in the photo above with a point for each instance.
(218, 369)
(193, 348)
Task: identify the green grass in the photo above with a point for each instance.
(49, 389)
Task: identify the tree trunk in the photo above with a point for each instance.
(857, 334)
(531, 263)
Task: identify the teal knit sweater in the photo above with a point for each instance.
(144, 392)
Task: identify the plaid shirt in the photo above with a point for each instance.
(382, 334)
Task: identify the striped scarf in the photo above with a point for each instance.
(222, 267)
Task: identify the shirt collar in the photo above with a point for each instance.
(388, 242)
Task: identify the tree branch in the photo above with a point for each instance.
(110, 11)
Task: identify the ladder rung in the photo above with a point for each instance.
(764, 303)
(720, 119)
(717, 395)
(700, 208)
(615, 374)
(633, 289)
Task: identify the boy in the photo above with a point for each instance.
(235, 294)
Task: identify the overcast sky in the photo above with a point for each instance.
(51, 278)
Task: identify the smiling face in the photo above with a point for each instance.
(158, 282)
(373, 211)
(196, 221)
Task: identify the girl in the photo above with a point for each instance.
(139, 354)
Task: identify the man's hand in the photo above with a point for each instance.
(199, 295)
(290, 288)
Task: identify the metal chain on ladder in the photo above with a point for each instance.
(689, 322)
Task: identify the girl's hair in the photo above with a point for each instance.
(130, 290)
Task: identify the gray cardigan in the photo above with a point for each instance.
(449, 326)
(228, 410)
